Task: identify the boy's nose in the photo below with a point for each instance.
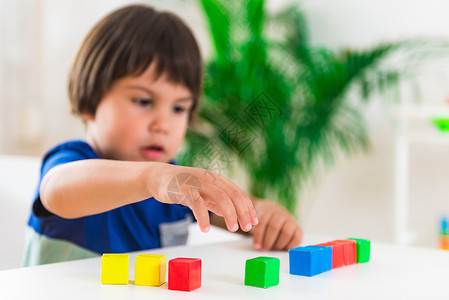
(160, 123)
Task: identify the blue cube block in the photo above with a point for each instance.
(326, 261)
(310, 260)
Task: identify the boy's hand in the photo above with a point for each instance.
(203, 190)
(277, 229)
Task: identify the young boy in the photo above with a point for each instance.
(136, 83)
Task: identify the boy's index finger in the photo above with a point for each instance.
(253, 214)
(201, 215)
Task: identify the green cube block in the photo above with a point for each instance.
(363, 250)
(262, 271)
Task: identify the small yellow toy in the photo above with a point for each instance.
(150, 269)
(115, 268)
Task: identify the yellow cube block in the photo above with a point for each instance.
(150, 269)
(115, 268)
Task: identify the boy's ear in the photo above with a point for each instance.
(87, 116)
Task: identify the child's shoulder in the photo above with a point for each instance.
(72, 147)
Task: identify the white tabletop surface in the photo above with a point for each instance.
(394, 272)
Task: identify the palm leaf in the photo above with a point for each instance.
(279, 106)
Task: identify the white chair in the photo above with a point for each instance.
(18, 180)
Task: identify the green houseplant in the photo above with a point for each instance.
(277, 105)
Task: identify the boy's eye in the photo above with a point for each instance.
(143, 101)
(179, 109)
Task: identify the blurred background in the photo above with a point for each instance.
(391, 186)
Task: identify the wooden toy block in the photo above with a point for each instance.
(150, 269)
(444, 241)
(310, 260)
(262, 271)
(115, 268)
(349, 251)
(184, 274)
(337, 254)
(363, 250)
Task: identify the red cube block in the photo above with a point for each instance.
(337, 254)
(349, 251)
(184, 274)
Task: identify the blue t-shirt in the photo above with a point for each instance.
(128, 228)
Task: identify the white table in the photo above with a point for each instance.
(394, 271)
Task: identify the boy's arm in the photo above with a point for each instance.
(93, 186)
(277, 229)
(88, 187)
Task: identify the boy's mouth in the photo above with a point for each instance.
(153, 152)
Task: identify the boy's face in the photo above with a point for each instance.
(140, 119)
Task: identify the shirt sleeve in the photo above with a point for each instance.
(61, 154)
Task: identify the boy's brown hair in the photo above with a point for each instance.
(125, 43)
